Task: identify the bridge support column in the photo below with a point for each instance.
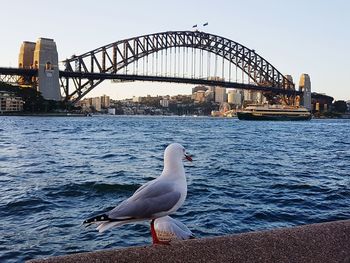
(46, 61)
(25, 60)
(305, 87)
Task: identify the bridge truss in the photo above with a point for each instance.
(175, 56)
(21, 76)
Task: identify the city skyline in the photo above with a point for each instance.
(296, 37)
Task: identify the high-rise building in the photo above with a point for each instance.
(234, 97)
(251, 96)
(305, 87)
(220, 94)
(105, 101)
(96, 103)
(257, 97)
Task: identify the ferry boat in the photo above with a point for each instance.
(274, 113)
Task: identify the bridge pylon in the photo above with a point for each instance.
(41, 56)
(305, 87)
(45, 59)
(25, 61)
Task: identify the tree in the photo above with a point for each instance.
(33, 100)
(340, 106)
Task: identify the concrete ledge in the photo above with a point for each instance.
(325, 242)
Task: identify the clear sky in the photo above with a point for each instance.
(299, 36)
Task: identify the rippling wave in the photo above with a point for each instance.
(246, 176)
(89, 188)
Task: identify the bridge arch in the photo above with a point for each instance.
(114, 57)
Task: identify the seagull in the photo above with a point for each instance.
(157, 198)
(166, 229)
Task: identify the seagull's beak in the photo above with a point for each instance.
(188, 157)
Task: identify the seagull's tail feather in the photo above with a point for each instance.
(107, 225)
(104, 222)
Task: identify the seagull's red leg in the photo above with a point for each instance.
(153, 233)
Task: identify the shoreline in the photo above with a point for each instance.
(321, 242)
(346, 117)
(42, 115)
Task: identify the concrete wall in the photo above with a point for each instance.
(327, 242)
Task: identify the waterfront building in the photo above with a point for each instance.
(234, 97)
(87, 103)
(253, 97)
(10, 103)
(136, 99)
(248, 97)
(258, 98)
(230, 96)
(220, 94)
(84, 104)
(164, 103)
(212, 89)
(111, 111)
(96, 103)
(320, 102)
(105, 101)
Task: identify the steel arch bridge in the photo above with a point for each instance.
(111, 61)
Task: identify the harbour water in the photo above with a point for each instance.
(246, 176)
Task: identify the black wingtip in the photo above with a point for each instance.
(95, 219)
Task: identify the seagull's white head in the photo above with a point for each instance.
(175, 153)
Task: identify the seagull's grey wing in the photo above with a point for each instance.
(159, 196)
(144, 185)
